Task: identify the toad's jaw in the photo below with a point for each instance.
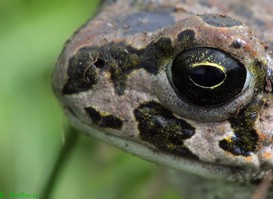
(197, 167)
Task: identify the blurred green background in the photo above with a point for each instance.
(32, 34)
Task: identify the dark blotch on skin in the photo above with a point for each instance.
(105, 121)
(219, 20)
(186, 37)
(159, 127)
(118, 59)
(245, 140)
(125, 59)
(164, 44)
(81, 73)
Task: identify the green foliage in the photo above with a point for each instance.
(32, 35)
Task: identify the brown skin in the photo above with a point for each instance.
(114, 75)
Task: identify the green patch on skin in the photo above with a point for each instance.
(104, 120)
(161, 128)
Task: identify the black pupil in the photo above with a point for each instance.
(206, 76)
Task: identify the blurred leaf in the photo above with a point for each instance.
(32, 35)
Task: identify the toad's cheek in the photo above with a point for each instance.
(264, 129)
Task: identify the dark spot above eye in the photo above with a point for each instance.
(161, 128)
(186, 37)
(220, 20)
(164, 44)
(104, 121)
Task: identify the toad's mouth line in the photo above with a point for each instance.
(197, 167)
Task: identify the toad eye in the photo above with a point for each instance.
(206, 76)
(207, 84)
(203, 76)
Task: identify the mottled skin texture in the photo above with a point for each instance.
(115, 75)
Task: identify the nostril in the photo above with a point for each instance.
(99, 63)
